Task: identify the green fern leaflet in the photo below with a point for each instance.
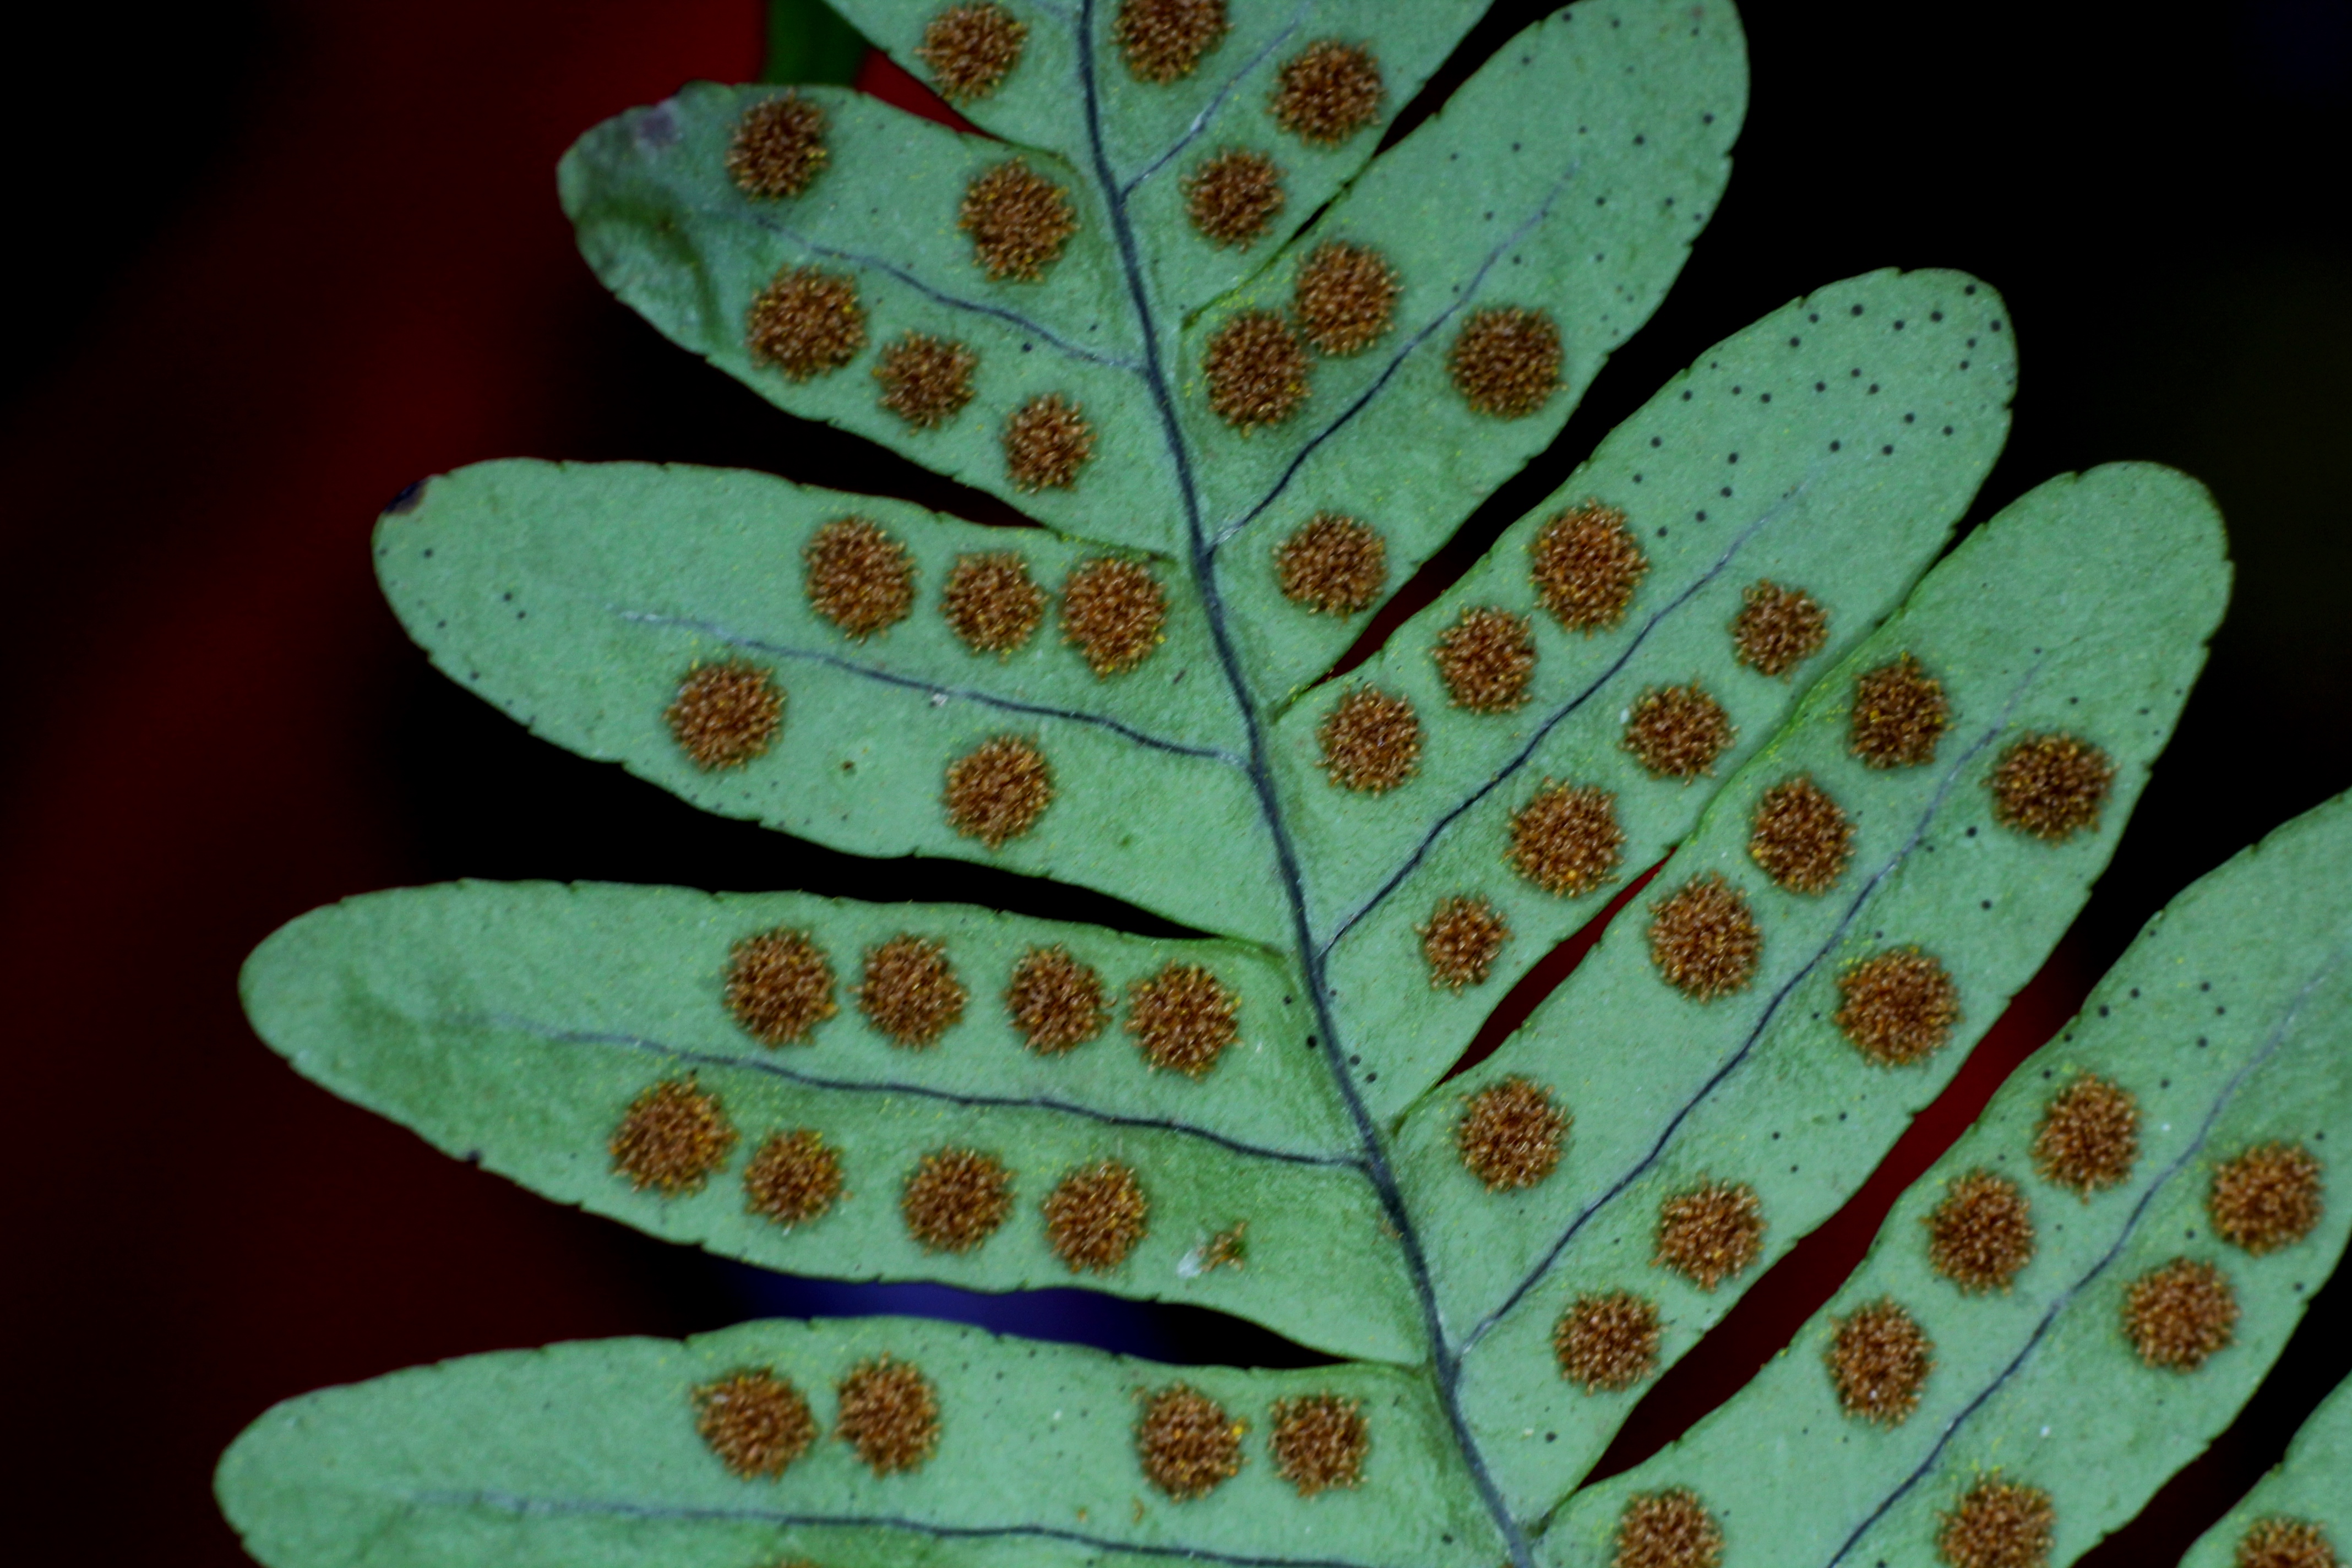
(1247, 368)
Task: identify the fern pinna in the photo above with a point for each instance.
(1246, 370)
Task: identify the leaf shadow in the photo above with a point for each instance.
(1179, 1335)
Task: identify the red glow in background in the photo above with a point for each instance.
(273, 263)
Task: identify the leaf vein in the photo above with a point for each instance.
(930, 687)
(1468, 292)
(1209, 109)
(2131, 1224)
(558, 1034)
(1764, 1022)
(1510, 769)
(514, 1502)
(953, 302)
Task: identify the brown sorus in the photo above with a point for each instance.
(1326, 92)
(1095, 1216)
(1778, 628)
(1506, 361)
(725, 714)
(926, 381)
(1485, 659)
(1567, 840)
(807, 322)
(998, 790)
(889, 1413)
(1226, 1250)
(1055, 1000)
(2051, 786)
(2266, 1198)
(2285, 1543)
(1114, 611)
(792, 1179)
(1710, 1232)
(970, 50)
(1047, 441)
(1461, 942)
(2179, 1315)
(756, 1421)
(1182, 1019)
(1510, 1134)
(1981, 1235)
(1585, 565)
(1371, 740)
(1670, 1529)
(1188, 1445)
(1163, 40)
(1802, 838)
(1233, 198)
(858, 576)
(1704, 939)
(990, 603)
(1018, 219)
(1899, 713)
(780, 987)
(1345, 299)
(909, 991)
(1897, 1008)
(954, 1199)
(2089, 1136)
(1678, 732)
(1608, 1344)
(1255, 368)
(1320, 1442)
(1879, 1360)
(1333, 565)
(671, 1138)
(1998, 1524)
(778, 147)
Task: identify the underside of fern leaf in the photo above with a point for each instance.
(1247, 369)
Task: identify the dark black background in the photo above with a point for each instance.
(267, 263)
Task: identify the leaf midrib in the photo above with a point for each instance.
(936, 690)
(1755, 1032)
(1202, 552)
(1510, 769)
(562, 1035)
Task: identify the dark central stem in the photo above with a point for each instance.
(1445, 1361)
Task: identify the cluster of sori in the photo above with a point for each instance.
(1980, 1238)
(758, 1424)
(779, 988)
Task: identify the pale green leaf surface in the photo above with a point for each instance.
(1154, 134)
(1795, 417)
(664, 228)
(2032, 628)
(1494, 201)
(2312, 1484)
(577, 596)
(667, 231)
(1571, 175)
(2226, 1019)
(585, 1455)
(512, 1024)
